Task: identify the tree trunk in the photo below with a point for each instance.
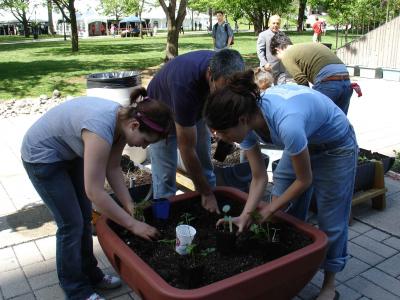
(174, 25)
(74, 27)
(300, 17)
(210, 14)
(50, 16)
(172, 40)
(258, 21)
(25, 26)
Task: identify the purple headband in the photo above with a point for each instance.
(153, 125)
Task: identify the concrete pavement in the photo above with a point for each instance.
(27, 242)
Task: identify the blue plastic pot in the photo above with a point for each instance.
(160, 208)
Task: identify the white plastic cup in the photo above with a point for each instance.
(184, 237)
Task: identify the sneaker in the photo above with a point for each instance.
(108, 282)
(95, 296)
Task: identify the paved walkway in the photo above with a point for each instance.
(27, 242)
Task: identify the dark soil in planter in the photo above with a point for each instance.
(247, 254)
(130, 170)
(231, 159)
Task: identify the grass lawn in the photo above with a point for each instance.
(32, 69)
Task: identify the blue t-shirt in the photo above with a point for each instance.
(297, 116)
(57, 135)
(182, 85)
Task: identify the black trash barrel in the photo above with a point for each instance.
(116, 86)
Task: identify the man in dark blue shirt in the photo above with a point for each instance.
(184, 84)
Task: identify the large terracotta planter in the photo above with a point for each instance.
(282, 278)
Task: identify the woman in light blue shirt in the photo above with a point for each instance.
(320, 155)
(68, 153)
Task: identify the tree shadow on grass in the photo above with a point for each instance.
(20, 78)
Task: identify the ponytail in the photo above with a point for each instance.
(153, 116)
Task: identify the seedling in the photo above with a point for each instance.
(139, 208)
(206, 252)
(259, 231)
(227, 219)
(168, 242)
(186, 218)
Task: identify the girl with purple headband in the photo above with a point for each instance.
(68, 153)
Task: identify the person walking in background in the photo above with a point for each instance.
(195, 26)
(320, 156)
(68, 153)
(112, 30)
(317, 28)
(268, 61)
(182, 30)
(222, 32)
(315, 63)
(184, 84)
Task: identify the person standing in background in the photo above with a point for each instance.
(268, 61)
(222, 32)
(317, 27)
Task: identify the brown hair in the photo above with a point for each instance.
(238, 98)
(154, 116)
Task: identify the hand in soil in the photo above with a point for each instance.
(210, 203)
(242, 222)
(144, 230)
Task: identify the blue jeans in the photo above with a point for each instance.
(333, 173)
(164, 158)
(339, 91)
(61, 187)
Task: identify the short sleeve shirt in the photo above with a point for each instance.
(57, 135)
(221, 33)
(297, 116)
(181, 84)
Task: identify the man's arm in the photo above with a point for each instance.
(187, 140)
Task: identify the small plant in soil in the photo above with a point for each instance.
(139, 209)
(186, 218)
(226, 239)
(168, 242)
(227, 219)
(261, 233)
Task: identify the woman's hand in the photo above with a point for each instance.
(242, 222)
(210, 203)
(144, 230)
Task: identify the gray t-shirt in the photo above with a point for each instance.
(57, 135)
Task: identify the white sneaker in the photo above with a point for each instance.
(108, 282)
(95, 296)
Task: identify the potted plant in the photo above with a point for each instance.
(226, 238)
(266, 280)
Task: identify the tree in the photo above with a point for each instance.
(300, 15)
(50, 16)
(20, 10)
(69, 5)
(119, 8)
(174, 23)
